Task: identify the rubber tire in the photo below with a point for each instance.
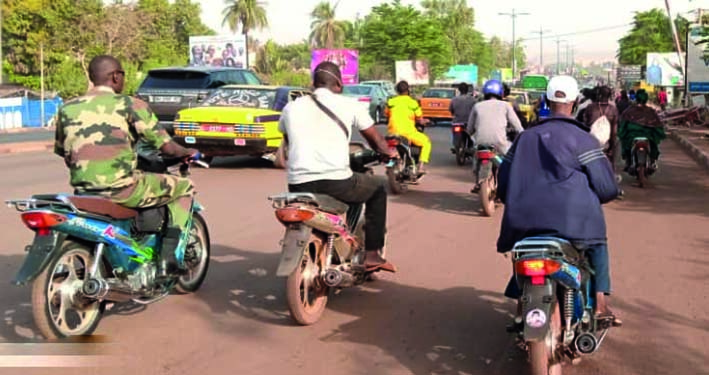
(460, 155)
(487, 198)
(395, 186)
(183, 288)
(40, 311)
(538, 351)
(642, 176)
(297, 311)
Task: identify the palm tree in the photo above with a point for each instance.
(326, 30)
(249, 14)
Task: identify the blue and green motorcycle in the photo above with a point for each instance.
(89, 253)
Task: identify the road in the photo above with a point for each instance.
(442, 313)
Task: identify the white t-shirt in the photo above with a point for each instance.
(318, 149)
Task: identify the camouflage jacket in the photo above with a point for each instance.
(97, 134)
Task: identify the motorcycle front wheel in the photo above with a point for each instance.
(58, 309)
(306, 293)
(196, 257)
(542, 353)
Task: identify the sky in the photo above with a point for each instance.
(290, 21)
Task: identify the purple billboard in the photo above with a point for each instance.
(346, 59)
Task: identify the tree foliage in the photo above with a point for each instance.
(143, 35)
(326, 30)
(651, 32)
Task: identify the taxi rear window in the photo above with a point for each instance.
(243, 97)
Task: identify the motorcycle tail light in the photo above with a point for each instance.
(457, 129)
(537, 267)
(392, 142)
(485, 154)
(42, 221)
(294, 214)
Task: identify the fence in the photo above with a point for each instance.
(25, 112)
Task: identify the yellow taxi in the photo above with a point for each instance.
(236, 120)
(524, 102)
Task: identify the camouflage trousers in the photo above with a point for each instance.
(152, 190)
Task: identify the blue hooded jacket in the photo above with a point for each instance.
(553, 182)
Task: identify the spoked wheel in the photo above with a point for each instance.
(58, 308)
(196, 257)
(642, 176)
(542, 358)
(396, 186)
(305, 292)
(488, 195)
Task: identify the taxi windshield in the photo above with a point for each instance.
(242, 97)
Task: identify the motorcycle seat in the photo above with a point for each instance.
(322, 201)
(566, 247)
(102, 206)
(485, 147)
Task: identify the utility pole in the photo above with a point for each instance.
(41, 79)
(558, 55)
(514, 41)
(676, 38)
(541, 33)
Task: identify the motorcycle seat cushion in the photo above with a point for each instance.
(329, 204)
(103, 207)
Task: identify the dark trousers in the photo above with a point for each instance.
(360, 188)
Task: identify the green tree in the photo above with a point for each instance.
(651, 32)
(247, 14)
(394, 32)
(326, 30)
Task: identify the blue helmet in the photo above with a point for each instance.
(494, 87)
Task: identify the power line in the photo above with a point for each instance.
(583, 32)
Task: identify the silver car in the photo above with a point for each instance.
(373, 98)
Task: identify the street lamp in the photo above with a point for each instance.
(514, 41)
(541, 33)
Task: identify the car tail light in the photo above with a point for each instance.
(537, 267)
(294, 214)
(485, 154)
(42, 221)
(392, 142)
(365, 99)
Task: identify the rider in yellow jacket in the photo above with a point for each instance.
(403, 113)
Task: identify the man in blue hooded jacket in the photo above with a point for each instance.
(553, 182)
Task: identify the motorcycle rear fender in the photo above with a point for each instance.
(39, 253)
(539, 298)
(485, 169)
(295, 239)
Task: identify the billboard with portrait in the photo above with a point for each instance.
(664, 69)
(218, 50)
(698, 59)
(346, 59)
(414, 72)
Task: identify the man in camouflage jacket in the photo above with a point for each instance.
(97, 134)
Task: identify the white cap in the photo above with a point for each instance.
(562, 89)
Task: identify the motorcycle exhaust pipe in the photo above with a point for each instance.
(335, 278)
(101, 289)
(586, 343)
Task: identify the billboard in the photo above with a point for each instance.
(630, 73)
(664, 69)
(413, 72)
(698, 59)
(218, 50)
(346, 59)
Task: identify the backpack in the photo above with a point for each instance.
(601, 129)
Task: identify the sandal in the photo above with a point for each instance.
(610, 316)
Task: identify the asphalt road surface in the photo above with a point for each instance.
(442, 313)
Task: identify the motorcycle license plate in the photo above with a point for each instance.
(240, 142)
(190, 140)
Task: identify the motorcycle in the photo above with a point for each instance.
(89, 253)
(323, 245)
(403, 171)
(462, 143)
(487, 163)
(641, 167)
(558, 304)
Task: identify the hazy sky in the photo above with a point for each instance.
(290, 21)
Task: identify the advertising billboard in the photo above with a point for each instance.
(413, 72)
(698, 59)
(346, 59)
(218, 50)
(629, 73)
(664, 69)
(462, 73)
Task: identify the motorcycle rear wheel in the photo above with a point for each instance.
(487, 196)
(58, 309)
(394, 184)
(642, 176)
(460, 156)
(541, 353)
(304, 282)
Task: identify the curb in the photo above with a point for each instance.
(26, 130)
(14, 148)
(690, 148)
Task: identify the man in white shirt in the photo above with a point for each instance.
(318, 154)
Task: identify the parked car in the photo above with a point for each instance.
(236, 120)
(388, 86)
(373, 98)
(435, 102)
(168, 90)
